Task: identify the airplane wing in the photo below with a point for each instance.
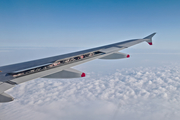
(60, 66)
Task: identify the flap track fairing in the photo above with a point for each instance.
(67, 73)
(117, 55)
(4, 97)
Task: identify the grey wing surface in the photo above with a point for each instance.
(60, 66)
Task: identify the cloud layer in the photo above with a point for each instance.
(130, 93)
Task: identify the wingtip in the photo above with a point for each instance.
(153, 33)
(150, 36)
(148, 39)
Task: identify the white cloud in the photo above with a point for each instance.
(129, 93)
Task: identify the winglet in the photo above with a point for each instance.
(149, 38)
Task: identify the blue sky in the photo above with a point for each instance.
(87, 23)
(144, 86)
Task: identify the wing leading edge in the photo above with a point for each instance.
(60, 66)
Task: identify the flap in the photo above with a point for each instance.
(67, 73)
(117, 55)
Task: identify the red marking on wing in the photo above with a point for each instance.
(150, 43)
(83, 75)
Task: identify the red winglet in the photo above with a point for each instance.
(83, 75)
(128, 56)
(150, 43)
